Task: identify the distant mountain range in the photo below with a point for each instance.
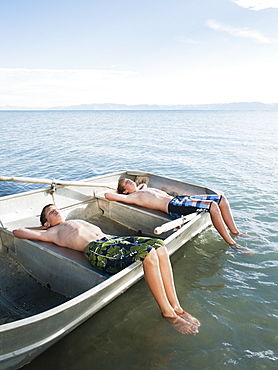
(228, 106)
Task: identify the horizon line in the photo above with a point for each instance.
(143, 106)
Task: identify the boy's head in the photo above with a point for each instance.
(43, 218)
(121, 186)
(126, 186)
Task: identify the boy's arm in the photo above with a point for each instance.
(38, 233)
(116, 196)
(142, 186)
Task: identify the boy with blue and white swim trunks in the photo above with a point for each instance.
(217, 205)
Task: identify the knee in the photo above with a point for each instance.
(214, 208)
(162, 251)
(151, 259)
(224, 202)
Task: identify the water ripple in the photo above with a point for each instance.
(234, 296)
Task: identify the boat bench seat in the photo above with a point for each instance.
(145, 210)
(71, 255)
(141, 220)
(63, 270)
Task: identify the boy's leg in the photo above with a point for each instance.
(208, 203)
(167, 278)
(218, 223)
(169, 285)
(155, 282)
(221, 215)
(227, 215)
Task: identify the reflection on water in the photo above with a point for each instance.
(220, 289)
(233, 295)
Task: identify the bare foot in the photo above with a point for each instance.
(182, 326)
(241, 235)
(186, 316)
(241, 249)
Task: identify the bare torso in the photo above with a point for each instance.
(74, 234)
(77, 234)
(151, 198)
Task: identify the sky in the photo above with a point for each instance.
(66, 52)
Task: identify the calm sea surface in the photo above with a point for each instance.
(234, 296)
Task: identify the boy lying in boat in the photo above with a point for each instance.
(112, 254)
(217, 205)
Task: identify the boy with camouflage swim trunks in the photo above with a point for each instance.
(112, 254)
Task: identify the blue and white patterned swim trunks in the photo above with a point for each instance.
(184, 205)
(112, 254)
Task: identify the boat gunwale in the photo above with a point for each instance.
(17, 324)
(93, 178)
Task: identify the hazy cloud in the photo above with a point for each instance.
(257, 4)
(46, 87)
(187, 40)
(239, 32)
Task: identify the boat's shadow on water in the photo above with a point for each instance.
(130, 332)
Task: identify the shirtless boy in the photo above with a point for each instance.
(217, 205)
(112, 254)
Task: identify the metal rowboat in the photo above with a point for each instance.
(47, 291)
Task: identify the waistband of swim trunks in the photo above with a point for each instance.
(177, 197)
(104, 239)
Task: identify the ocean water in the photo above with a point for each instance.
(233, 295)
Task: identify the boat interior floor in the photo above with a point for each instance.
(109, 226)
(20, 295)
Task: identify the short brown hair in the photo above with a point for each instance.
(43, 219)
(121, 187)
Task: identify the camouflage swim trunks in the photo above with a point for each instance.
(112, 254)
